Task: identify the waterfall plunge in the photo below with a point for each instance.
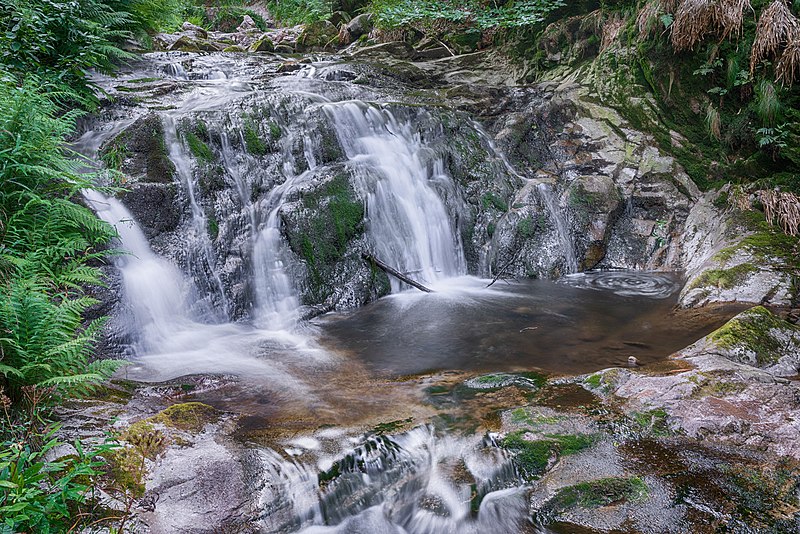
(407, 222)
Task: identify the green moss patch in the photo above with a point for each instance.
(332, 217)
(187, 416)
(597, 493)
(533, 457)
(725, 278)
(199, 149)
(752, 331)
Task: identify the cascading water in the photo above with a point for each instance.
(201, 259)
(417, 482)
(407, 221)
(155, 289)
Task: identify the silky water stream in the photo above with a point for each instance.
(329, 379)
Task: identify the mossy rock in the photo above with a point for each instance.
(140, 151)
(319, 35)
(188, 416)
(533, 457)
(757, 337)
(724, 278)
(597, 493)
(233, 48)
(331, 217)
(262, 45)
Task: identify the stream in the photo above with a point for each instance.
(242, 285)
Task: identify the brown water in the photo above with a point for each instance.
(581, 324)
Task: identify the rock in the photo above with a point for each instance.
(395, 49)
(196, 30)
(187, 44)
(284, 49)
(247, 25)
(360, 25)
(234, 48)
(318, 35)
(289, 66)
(432, 53)
(262, 45)
(730, 257)
(718, 398)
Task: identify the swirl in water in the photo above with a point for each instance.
(627, 283)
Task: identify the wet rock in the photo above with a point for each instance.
(289, 66)
(730, 256)
(154, 206)
(395, 49)
(719, 399)
(139, 151)
(247, 25)
(360, 25)
(284, 49)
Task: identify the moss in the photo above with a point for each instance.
(213, 227)
(335, 218)
(751, 331)
(391, 426)
(724, 278)
(526, 228)
(654, 421)
(533, 457)
(199, 149)
(492, 200)
(597, 493)
(252, 140)
(275, 131)
(593, 381)
(187, 416)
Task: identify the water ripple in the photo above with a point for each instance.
(627, 283)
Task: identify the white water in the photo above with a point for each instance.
(408, 483)
(407, 221)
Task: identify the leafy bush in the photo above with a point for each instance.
(395, 13)
(292, 12)
(60, 40)
(47, 246)
(37, 494)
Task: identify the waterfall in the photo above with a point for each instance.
(155, 289)
(407, 222)
(201, 259)
(562, 228)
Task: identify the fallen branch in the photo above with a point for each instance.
(394, 272)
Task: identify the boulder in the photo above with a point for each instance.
(262, 45)
(196, 30)
(360, 25)
(318, 35)
(247, 25)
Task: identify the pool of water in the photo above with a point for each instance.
(579, 324)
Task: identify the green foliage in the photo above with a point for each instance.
(41, 495)
(47, 245)
(252, 139)
(509, 14)
(228, 18)
(199, 149)
(291, 12)
(493, 200)
(597, 493)
(533, 457)
(60, 40)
